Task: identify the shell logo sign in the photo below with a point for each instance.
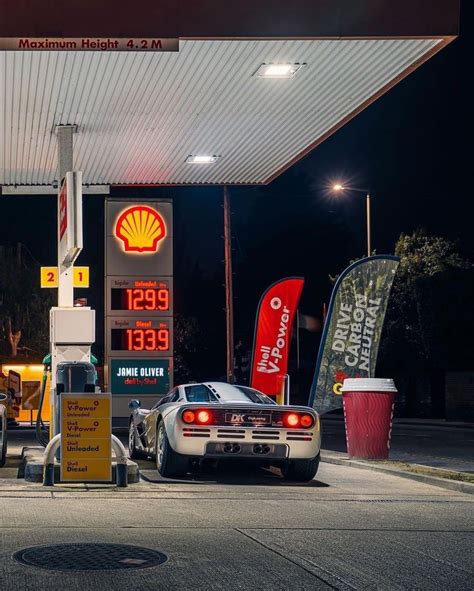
(140, 228)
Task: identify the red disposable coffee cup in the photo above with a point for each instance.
(368, 413)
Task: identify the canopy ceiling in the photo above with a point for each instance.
(140, 115)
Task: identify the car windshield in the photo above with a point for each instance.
(199, 393)
(255, 396)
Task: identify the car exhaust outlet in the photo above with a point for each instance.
(231, 448)
(265, 449)
(257, 449)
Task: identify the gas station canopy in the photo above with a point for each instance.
(153, 116)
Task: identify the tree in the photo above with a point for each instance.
(416, 307)
(188, 347)
(24, 306)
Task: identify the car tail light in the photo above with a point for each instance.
(307, 421)
(188, 416)
(203, 417)
(291, 419)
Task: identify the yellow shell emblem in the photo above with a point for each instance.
(140, 228)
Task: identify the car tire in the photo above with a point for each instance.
(133, 452)
(301, 470)
(169, 463)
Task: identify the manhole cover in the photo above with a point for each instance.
(78, 557)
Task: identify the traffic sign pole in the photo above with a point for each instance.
(72, 330)
(65, 164)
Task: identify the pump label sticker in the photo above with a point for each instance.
(86, 429)
(87, 408)
(81, 428)
(87, 470)
(86, 448)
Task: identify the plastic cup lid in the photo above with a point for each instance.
(368, 385)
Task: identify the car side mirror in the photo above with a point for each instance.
(134, 404)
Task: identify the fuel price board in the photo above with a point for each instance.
(139, 302)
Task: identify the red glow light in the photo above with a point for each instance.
(188, 416)
(150, 339)
(203, 417)
(292, 420)
(147, 299)
(307, 421)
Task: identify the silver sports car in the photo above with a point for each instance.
(215, 420)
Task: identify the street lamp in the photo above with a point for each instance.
(338, 187)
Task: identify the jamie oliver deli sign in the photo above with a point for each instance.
(88, 44)
(139, 376)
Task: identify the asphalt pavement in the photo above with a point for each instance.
(242, 529)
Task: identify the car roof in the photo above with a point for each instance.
(226, 392)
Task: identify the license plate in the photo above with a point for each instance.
(244, 419)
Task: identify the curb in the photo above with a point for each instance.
(426, 424)
(31, 467)
(455, 485)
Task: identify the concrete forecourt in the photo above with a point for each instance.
(349, 528)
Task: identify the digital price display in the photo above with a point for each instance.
(140, 339)
(137, 336)
(149, 296)
(140, 299)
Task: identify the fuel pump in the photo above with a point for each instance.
(72, 332)
(42, 430)
(74, 376)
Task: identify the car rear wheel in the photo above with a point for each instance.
(133, 452)
(301, 470)
(169, 463)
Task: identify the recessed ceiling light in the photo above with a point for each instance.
(201, 159)
(277, 70)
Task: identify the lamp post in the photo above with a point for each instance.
(229, 293)
(338, 187)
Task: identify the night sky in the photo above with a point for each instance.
(410, 148)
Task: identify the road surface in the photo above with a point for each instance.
(240, 529)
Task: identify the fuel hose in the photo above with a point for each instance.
(41, 430)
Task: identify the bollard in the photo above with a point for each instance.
(49, 452)
(48, 475)
(120, 456)
(3, 431)
(121, 470)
